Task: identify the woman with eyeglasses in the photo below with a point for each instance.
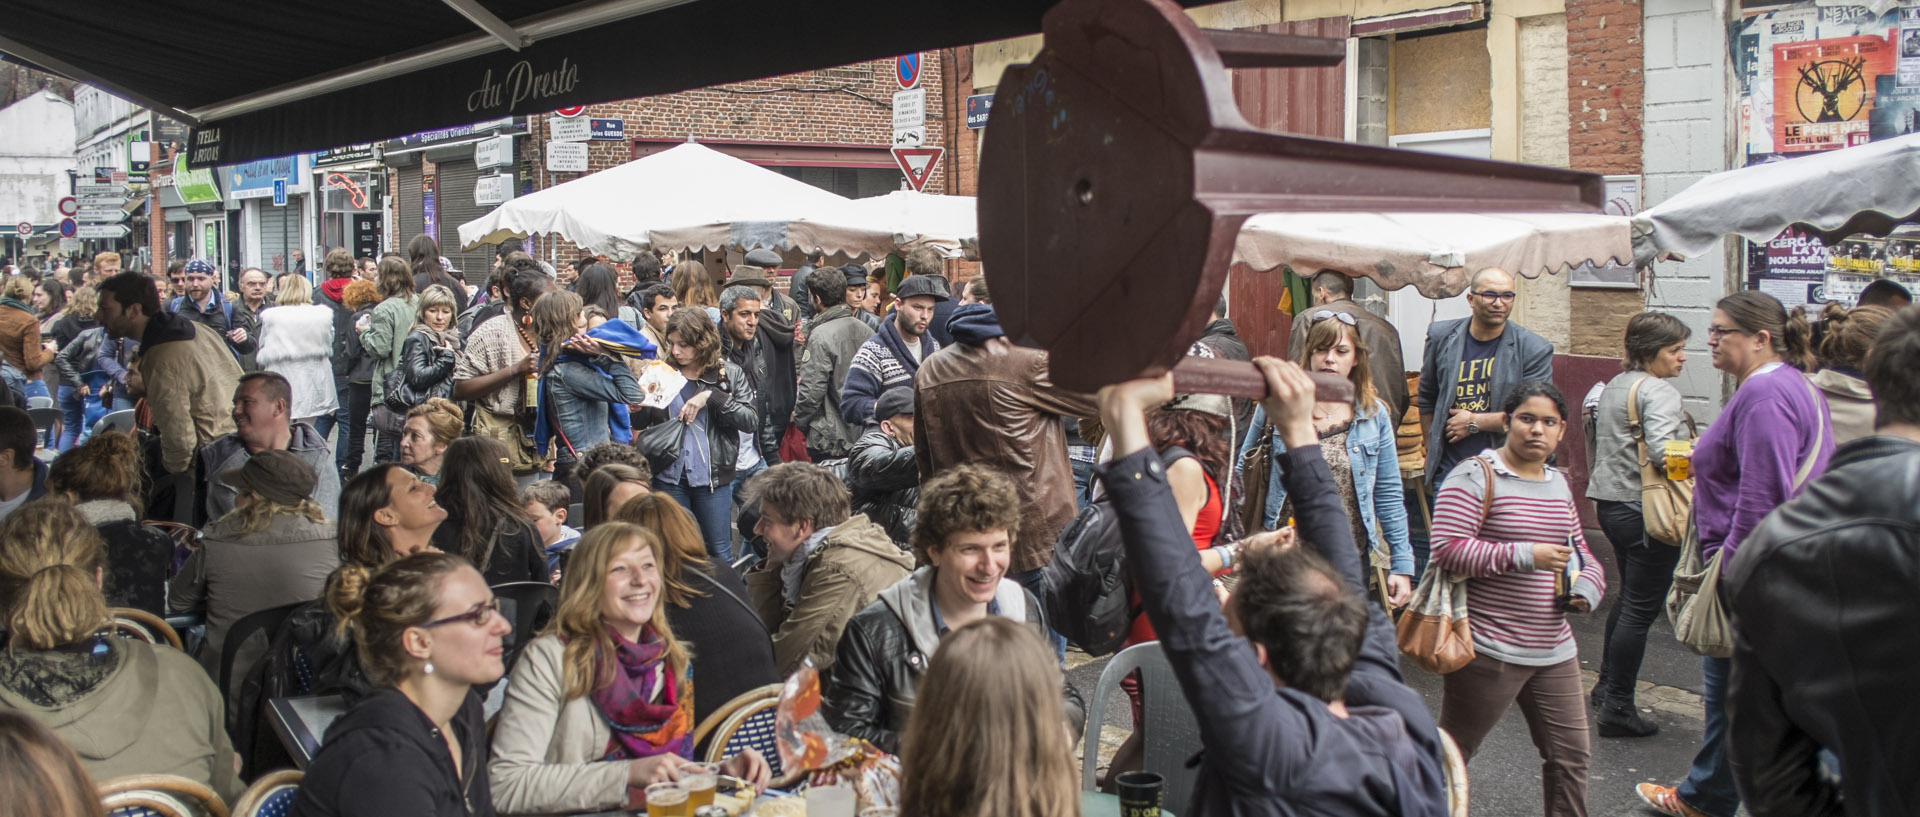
(1772, 437)
(601, 705)
(427, 630)
(1507, 523)
(1358, 441)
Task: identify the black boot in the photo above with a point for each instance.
(1624, 722)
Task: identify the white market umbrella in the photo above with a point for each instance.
(1436, 253)
(689, 196)
(1869, 188)
(897, 222)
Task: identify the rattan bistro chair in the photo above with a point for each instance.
(159, 795)
(270, 796)
(145, 626)
(744, 722)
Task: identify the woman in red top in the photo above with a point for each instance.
(1199, 425)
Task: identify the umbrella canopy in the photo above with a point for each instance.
(1869, 188)
(687, 197)
(897, 222)
(324, 75)
(1435, 253)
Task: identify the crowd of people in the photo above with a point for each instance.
(723, 483)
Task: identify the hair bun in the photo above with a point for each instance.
(346, 594)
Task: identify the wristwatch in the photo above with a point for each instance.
(1473, 425)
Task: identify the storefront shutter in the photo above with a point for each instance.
(455, 191)
(279, 233)
(412, 219)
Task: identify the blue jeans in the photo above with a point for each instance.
(1709, 785)
(73, 416)
(1035, 582)
(37, 388)
(1082, 485)
(712, 508)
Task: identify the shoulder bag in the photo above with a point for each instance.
(1665, 504)
(1256, 469)
(1435, 630)
(1694, 607)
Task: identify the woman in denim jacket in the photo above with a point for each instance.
(1358, 441)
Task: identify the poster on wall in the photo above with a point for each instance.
(1823, 91)
(1907, 39)
(1896, 110)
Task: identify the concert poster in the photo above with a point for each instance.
(1824, 91)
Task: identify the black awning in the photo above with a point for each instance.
(267, 79)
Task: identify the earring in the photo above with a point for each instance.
(429, 668)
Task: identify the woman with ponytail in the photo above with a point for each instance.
(1843, 353)
(601, 705)
(1771, 438)
(126, 706)
(427, 630)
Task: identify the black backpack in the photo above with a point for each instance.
(1089, 598)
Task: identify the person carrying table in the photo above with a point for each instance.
(1315, 717)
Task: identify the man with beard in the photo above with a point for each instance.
(892, 356)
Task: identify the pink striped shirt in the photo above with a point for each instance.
(1512, 605)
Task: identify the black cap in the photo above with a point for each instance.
(763, 258)
(922, 285)
(856, 275)
(893, 402)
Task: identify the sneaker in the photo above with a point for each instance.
(1666, 800)
(1624, 722)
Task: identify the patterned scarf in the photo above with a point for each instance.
(649, 712)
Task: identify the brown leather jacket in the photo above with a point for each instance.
(992, 404)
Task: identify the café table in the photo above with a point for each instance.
(1092, 804)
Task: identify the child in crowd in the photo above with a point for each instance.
(546, 501)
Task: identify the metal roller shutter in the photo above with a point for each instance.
(455, 200)
(279, 233)
(413, 219)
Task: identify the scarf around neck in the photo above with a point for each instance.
(649, 711)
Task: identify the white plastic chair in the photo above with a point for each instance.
(1172, 734)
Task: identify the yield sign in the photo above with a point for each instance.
(918, 164)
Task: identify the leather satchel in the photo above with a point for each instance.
(1665, 504)
(660, 443)
(1699, 618)
(1435, 630)
(1256, 469)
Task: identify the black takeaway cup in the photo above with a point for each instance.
(1139, 794)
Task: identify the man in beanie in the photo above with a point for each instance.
(926, 262)
(260, 406)
(832, 340)
(893, 354)
(275, 548)
(881, 472)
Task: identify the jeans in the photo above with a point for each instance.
(1036, 583)
(37, 387)
(740, 478)
(1082, 484)
(712, 508)
(1645, 568)
(1477, 695)
(1709, 784)
(73, 414)
(336, 418)
(352, 448)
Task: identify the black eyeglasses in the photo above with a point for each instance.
(1328, 314)
(479, 616)
(1498, 296)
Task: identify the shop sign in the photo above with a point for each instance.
(351, 154)
(495, 152)
(194, 186)
(493, 190)
(254, 180)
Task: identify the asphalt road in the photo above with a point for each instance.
(1505, 776)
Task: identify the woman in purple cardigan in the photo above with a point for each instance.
(1748, 462)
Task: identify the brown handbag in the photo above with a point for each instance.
(1256, 468)
(1435, 630)
(1665, 505)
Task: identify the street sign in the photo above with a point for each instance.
(918, 164)
(68, 206)
(910, 138)
(609, 130)
(910, 109)
(567, 157)
(279, 192)
(68, 228)
(495, 152)
(103, 231)
(24, 228)
(69, 244)
(571, 130)
(96, 201)
(906, 70)
(977, 107)
(491, 190)
(100, 189)
(101, 215)
(571, 111)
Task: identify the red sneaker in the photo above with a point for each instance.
(1666, 800)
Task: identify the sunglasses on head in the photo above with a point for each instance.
(1326, 314)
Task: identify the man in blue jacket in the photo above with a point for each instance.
(891, 356)
(1314, 718)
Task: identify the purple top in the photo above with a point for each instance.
(1744, 464)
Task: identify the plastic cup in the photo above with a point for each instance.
(830, 801)
(668, 800)
(1679, 459)
(700, 779)
(1140, 793)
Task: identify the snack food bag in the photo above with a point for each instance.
(807, 743)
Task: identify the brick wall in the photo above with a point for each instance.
(1604, 84)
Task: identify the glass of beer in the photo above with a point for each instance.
(700, 779)
(1679, 459)
(668, 800)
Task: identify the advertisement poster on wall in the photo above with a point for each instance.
(1823, 91)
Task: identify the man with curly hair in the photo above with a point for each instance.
(968, 518)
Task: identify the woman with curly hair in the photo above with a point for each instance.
(102, 478)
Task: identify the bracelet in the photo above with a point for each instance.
(1226, 557)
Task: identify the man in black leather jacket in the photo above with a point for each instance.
(881, 472)
(1824, 619)
(964, 541)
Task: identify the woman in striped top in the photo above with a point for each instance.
(1527, 565)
